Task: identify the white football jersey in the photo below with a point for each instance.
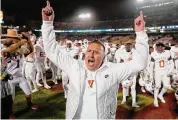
(174, 52)
(76, 50)
(113, 50)
(119, 52)
(62, 48)
(30, 57)
(39, 53)
(161, 60)
(125, 56)
(15, 66)
(69, 51)
(107, 48)
(84, 48)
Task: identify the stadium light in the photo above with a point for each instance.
(84, 16)
(140, 0)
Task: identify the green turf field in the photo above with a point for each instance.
(52, 104)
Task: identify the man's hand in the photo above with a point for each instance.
(22, 41)
(29, 43)
(5, 60)
(48, 13)
(139, 23)
(26, 36)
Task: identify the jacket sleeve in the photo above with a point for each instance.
(139, 60)
(52, 49)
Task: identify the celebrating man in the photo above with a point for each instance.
(93, 85)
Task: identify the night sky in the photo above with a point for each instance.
(65, 10)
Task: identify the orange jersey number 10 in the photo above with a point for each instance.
(161, 63)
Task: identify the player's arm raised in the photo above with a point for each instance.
(50, 44)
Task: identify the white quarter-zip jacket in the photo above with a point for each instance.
(107, 78)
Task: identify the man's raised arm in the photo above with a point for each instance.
(50, 44)
(140, 55)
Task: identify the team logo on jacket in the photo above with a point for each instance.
(106, 76)
(90, 83)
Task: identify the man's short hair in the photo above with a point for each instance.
(160, 45)
(98, 42)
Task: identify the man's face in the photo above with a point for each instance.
(167, 44)
(77, 44)
(128, 47)
(150, 42)
(69, 45)
(62, 42)
(160, 49)
(151, 50)
(85, 43)
(94, 56)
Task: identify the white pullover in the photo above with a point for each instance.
(107, 79)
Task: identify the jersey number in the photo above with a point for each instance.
(161, 63)
(42, 54)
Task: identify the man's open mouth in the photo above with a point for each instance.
(91, 61)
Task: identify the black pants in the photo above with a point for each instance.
(6, 107)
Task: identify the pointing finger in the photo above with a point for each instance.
(141, 15)
(48, 3)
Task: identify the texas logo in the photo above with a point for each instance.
(90, 82)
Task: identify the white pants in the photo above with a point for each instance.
(133, 90)
(162, 78)
(54, 72)
(30, 74)
(41, 72)
(22, 82)
(65, 82)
